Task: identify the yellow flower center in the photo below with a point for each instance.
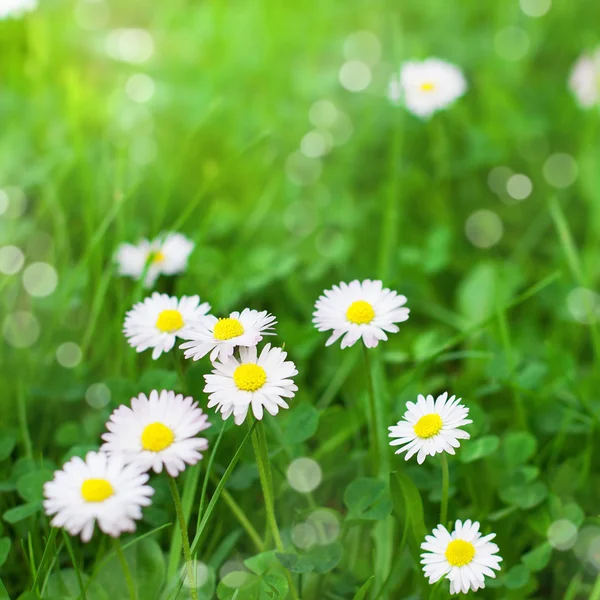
(249, 377)
(156, 257)
(96, 490)
(459, 553)
(169, 321)
(428, 426)
(157, 437)
(225, 329)
(360, 312)
(427, 87)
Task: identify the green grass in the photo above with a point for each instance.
(234, 87)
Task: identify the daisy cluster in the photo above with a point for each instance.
(160, 431)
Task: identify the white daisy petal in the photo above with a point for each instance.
(427, 86)
(158, 320)
(220, 337)
(156, 432)
(359, 310)
(256, 381)
(430, 427)
(102, 489)
(166, 255)
(16, 8)
(456, 557)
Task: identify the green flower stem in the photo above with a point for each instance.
(125, 567)
(445, 489)
(185, 541)
(259, 443)
(376, 431)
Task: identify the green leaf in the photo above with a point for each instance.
(537, 559)
(3, 593)
(30, 486)
(65, 585)
(302, 423)
(518, 447)
(5, 544)
(477, 293)
(295, 563)
(367, 499)
(517, 577)
(147, 566)
(480, 448)
(18, 513)
(525, 496)
(408, 508)
(159, 379)
(326, 558)
(7, 444)
(362, 593)
(262, 562)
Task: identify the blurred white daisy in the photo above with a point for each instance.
(584, 80)
(101, 489)
(156, 431)
(16, 8)
(464, 557)
(220, 337)
(166, 255)
(158, 320)
(259, 381)
(427, 86)
(430, 427)
(359, 310)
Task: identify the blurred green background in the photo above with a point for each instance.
(263, 132)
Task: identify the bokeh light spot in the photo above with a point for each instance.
(519, 186)
(40, 279)
(11, 260)
(562, 534)
(322, 113)
(511, 43)
(584, 305)
(364, 46)
(304, 535)
(355, 76)
(140, 87)
(326, 523)
(484, 228)
(535, 8)
(130, 45)
(98, 395)
(304, 475)
(301, 169)
(68, 355)
(560, 170)
(21, 329)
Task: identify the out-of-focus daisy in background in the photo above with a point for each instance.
(425, 87)
(584, 80)
(430, 427)
(261, 381)
(220, 337)
(100, 489)
(157, 321)
(358, 310)
(166, 255)
(159, 430)
(464, 557)
(16, 8)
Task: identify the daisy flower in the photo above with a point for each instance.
(16, 8)
(427, 86)
(100, 489)
(157, 431)
(259, 381)
(463, 556)
(221, 336)
(158, 320)
(584, 80)
(430, 427)
(359, 310)
(166, 255)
